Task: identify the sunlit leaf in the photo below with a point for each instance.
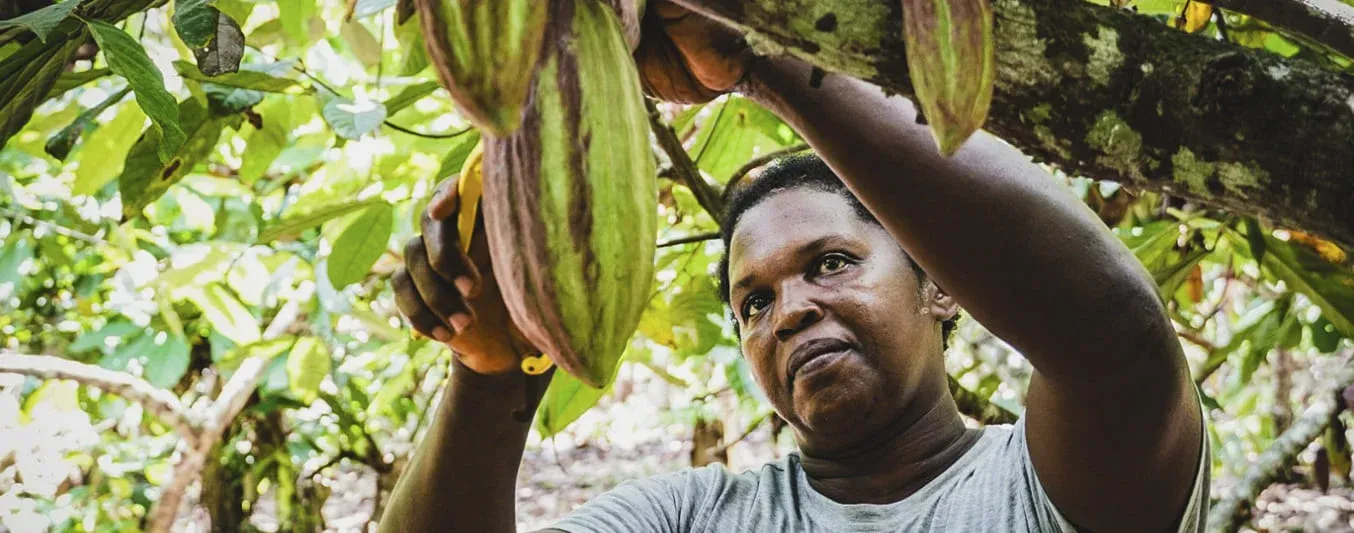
(127, 59)
(167, 362)
(457, 154)
(360, 245)
(106, 148)
(304, 219)
(145, 177)
(352, 120)
(307, 366)
(361, 42)
(59, 145)
(225, 313)
(409, 95)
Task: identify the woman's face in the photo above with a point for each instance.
(833, 325)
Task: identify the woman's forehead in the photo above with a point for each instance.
(791, 220)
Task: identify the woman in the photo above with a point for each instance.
(841, 274)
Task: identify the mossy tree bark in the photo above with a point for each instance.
(1108, 94)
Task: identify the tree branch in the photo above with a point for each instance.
(1328, 22)
(218, 416)
(978, 408)
(159, 402)
(683, 166)
(1234, 508)
(1107, 94)
(699, 237)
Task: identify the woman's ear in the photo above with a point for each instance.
(938, 303)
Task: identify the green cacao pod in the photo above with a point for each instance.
(570, 198)
(630, 13)
(484, 52)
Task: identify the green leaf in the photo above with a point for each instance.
(14, 255)
(145, 178)
(409, 95)
(351, 120)
(952, 61)
(166, 363)
(307, 366)
(95, 340)
(70, 80)
(1171, 278)
(414, 56)
(295, 16)
(1255, 237)
(294, 223)
(126, 57)
(264, 145)
(237, 10)
(26, 77)
(42, 21)
(59, 145)
(106, 148)
(225, 313)
(243, 79)
(360, 245)
(565, 400)
(1328, 285)
(1324, 335)
(195, 22)
(456, 156)
(136, 348)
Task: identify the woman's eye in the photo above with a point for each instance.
(753, 305)
(832, 263)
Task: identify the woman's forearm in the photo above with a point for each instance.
(464, 473)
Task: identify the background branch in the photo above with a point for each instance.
(978, 408)
(699, 237)
(159, 402)
(1234, 508)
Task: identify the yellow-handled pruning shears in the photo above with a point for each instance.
(469, 189)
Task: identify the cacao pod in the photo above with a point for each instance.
(630, 12)
(570, 198)
(484, 52)
(951, 57)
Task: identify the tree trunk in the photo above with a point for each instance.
(1107, 94)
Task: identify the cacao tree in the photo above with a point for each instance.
(202, 203)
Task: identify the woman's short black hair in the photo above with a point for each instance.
(804, 171)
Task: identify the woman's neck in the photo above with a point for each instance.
(896, 462)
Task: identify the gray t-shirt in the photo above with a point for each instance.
(992, 488)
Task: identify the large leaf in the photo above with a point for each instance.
(106, 148)
(361, 43)
(307, 366)
(409, 95)
(26, 77)
(951, 56)
(360, 245)
(41, 22)
(244, 79)
(59, 145)
(296, 222)
(98, 339)
(266, 143)
(565, 400)
(126, 57)
(225, 313)
(146, 175)
(223, 54)
(1328, 285)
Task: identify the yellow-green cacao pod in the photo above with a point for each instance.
(630, 13)
(484, 52)
(570, 198)
(951, 59)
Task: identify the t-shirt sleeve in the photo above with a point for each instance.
(1050, 519)
(667, 503)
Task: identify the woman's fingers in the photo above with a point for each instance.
(445, 201)
(442, 242)
(437, 293)
(411, 305)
